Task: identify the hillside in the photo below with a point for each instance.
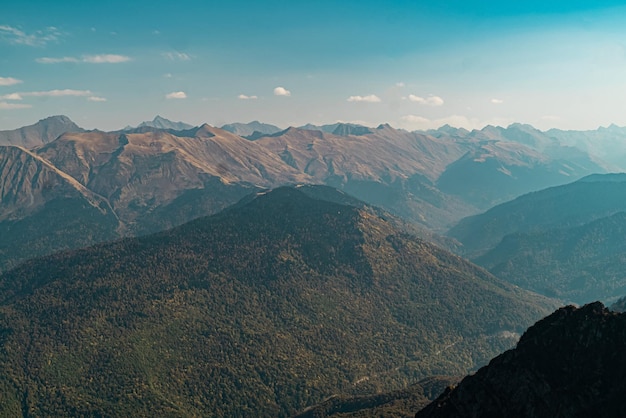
(390, 168)
(577, 264)
(44, 209)
(569, 364)
(564, 206)
(493, 172)
(158, 179)
(397, 404)
(263, 309)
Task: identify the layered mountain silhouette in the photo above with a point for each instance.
(573, 204)
(264, 309)
(564, 242)
(578, 264)
(569, 364)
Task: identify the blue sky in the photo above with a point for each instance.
(412, 64)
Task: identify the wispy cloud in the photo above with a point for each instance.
(10, 106)
(96, 99)
(176, 95)
(372, 98)
(9, 81)
(281, 91)
(11, 96)
(244, 97)
(58, 93)
(428, 101)
(39, 38)
(105, 59)
(176, 56)
(497, 101)
(48, 93)
(48, 60)
(90, 59)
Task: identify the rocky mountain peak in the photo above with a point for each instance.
(40, 133)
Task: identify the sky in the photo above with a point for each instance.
(412, 64)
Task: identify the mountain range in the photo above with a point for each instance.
(164, 173)
(266, 308)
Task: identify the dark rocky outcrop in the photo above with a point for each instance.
(570, 364)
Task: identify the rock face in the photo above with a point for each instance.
(570, 364)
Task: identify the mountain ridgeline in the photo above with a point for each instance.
(162, 173)
(263, 309)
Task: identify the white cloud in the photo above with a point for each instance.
(96, 99)
(281, 91)
(48, 93)
(176, 95)
(16, 36)
(400, 84)
(48, 60)
(176, 56)
(244, 97)
(58, 93)
(9, 81)
(372, 98)
(9, 106)
(91, 59)
(428, 101)
(105, 59)
(497, 101)
(11, 96)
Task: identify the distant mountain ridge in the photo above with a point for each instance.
(568, 205)
(40, 133)
(254, 128)
(162, 123)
